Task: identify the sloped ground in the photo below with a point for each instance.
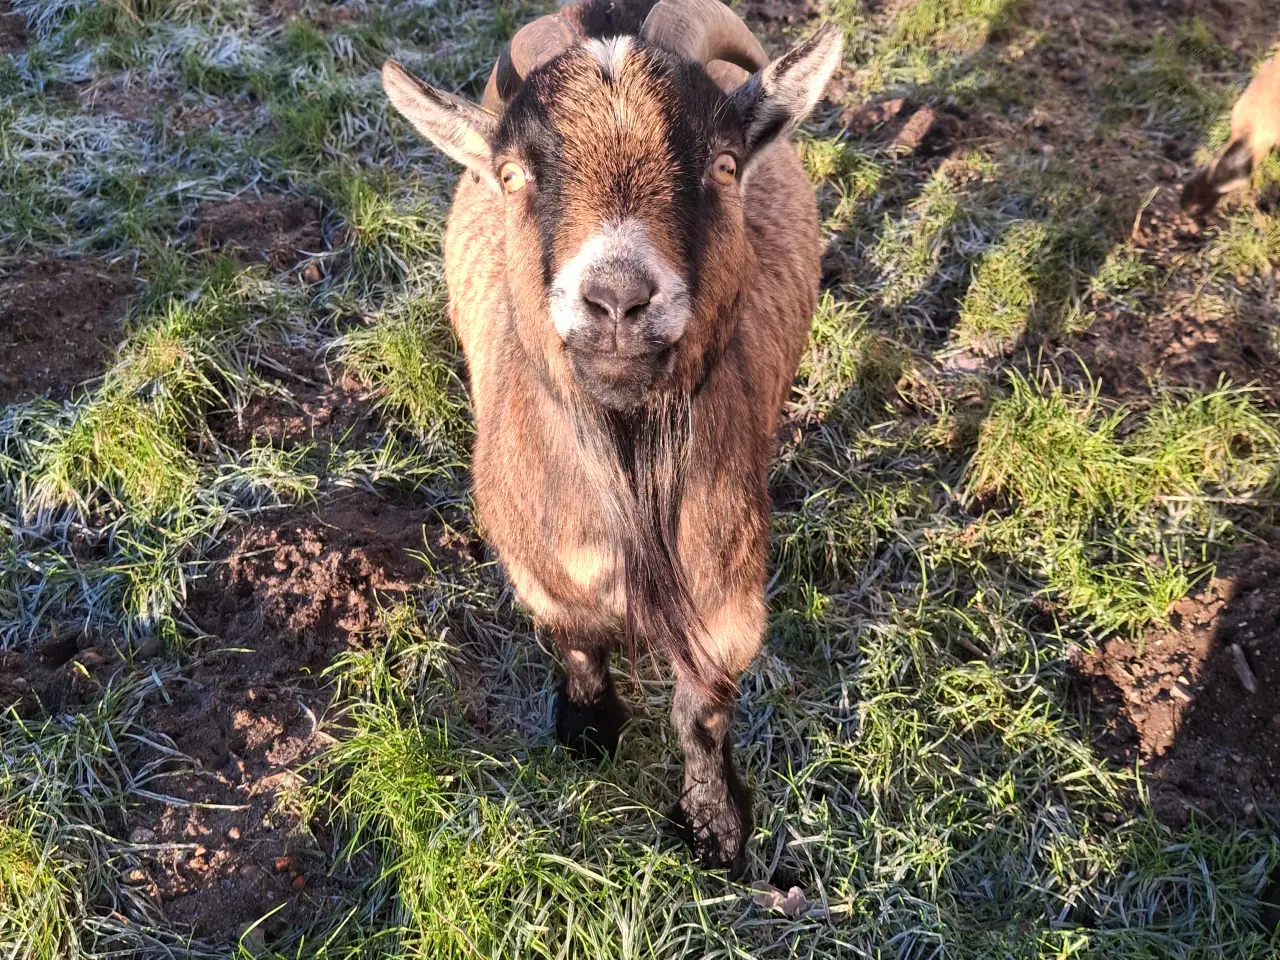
(266, 694)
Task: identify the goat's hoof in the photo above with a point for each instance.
(590, 730)
(716, 832)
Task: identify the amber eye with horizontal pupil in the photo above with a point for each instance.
(724, 169)
(513, 177)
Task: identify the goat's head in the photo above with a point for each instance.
(622, 163)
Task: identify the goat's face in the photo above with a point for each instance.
(624, 224)
(622, 169)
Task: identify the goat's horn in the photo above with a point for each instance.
(533, 45)
(703, 30)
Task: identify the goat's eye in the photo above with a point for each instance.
(724, 169)
(512, 176)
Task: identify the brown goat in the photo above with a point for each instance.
(1255, 130)
(632, 267)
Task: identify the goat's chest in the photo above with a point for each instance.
(546, 517)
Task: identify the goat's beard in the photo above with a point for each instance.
(642, 458)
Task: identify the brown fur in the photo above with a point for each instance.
(1255, 131)
(651, 524)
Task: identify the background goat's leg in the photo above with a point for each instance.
(714, 812)
(589, 713)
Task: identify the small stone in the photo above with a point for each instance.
(1243, 671)
(283, 864)
(200, 851)
(1183, 692)
(311, 273)
(135, 876)
(147, 649)
(234, 833)
(253, 939)
(142, 835)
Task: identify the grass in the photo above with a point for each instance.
(958, 509)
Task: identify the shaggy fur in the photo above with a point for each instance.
(630, 502)
(1255, 131)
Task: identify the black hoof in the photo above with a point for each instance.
(590, 730)
(716, 830)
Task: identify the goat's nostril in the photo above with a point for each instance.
(620, 299)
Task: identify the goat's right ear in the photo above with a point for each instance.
(779, 98)
(458, 127)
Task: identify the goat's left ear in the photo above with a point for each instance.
(458, 127)
(773, 102)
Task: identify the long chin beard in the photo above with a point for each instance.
(642, 456)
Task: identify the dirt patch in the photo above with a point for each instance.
(1187, 335)
(223, 843)
(130, 98)
(276, 229)
(909, 126)
(297, 587)
(58, 319)
(62, 674)
(1177, 702)
(118, 97)
(13, 30)
(305, 400)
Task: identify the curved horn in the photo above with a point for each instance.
(703, 30)
(533, 45)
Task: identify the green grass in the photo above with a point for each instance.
(960, 24)
(957, 510)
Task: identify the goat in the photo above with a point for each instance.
(632, 265)
(1255, 130)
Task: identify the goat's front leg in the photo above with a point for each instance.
(589, 713)
(714, 812)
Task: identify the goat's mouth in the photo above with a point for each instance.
(621, 379)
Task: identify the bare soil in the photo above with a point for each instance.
(1187, 335)
(305, 400)
(1175, 700)
(64, 673)
(294, 590)
(58, 320)
(13, 30)
(276, 229)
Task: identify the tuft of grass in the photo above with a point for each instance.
(910, 250)
(1249, 244)
(387, 240)
(35, 891)
(848, 371)
(1007, 288)
(1110, 509)
(1122, 272)
(408, 353)
(954, 24)
(1165, 88)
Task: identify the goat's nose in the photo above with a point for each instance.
(618, 298)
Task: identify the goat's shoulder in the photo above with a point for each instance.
(782, 227)
(474, 263)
